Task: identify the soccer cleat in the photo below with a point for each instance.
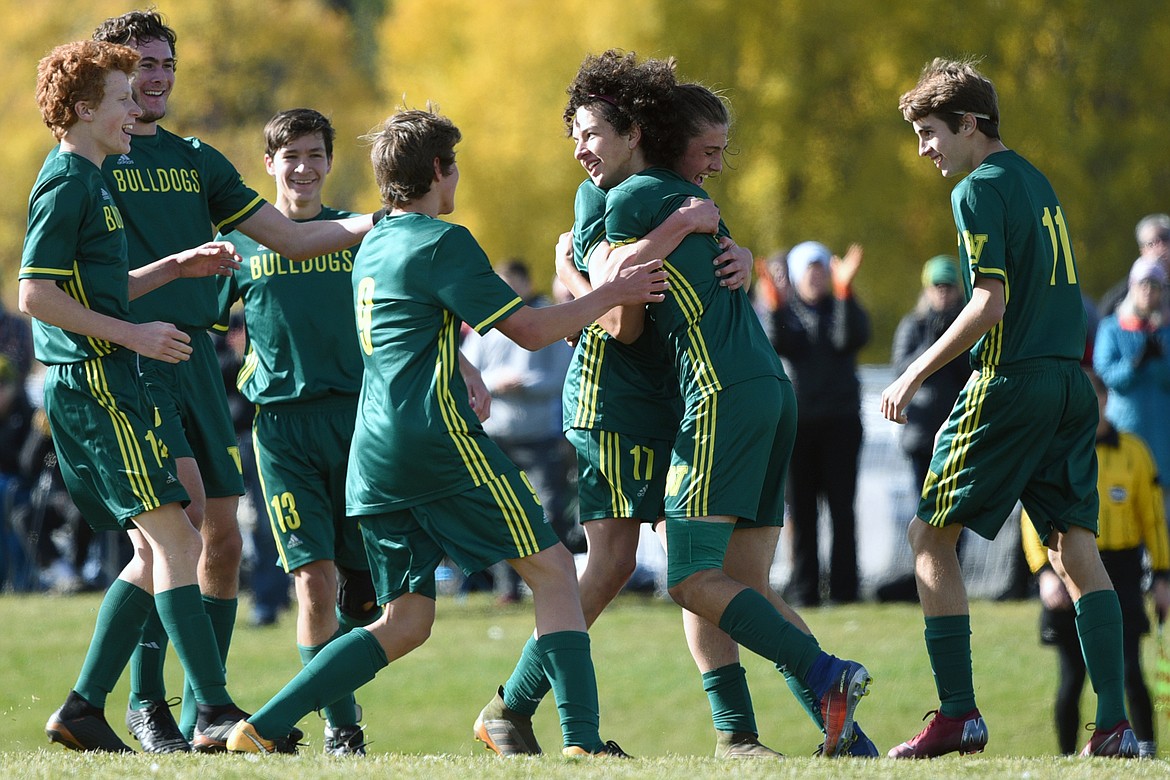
(1118, 742)
(155, 728)
(214, 725)
(245, 739)
(850, 682)
(345, 741)
(742, 744)
(504, 730)
(610, 749)
(966, 734)
(861, 747)
(89, 732)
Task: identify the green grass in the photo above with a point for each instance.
(419, 711)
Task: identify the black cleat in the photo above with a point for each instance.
(78, 725)
(155, 728)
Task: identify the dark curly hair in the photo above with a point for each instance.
(76, 72)
(404, 150)
(136, 26)
(626, 93)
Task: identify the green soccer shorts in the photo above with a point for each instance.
(195, 417)
(732, 453)
(618, 475)
(496, 521)
(113, 456)
(1025, 432)
(301, 455)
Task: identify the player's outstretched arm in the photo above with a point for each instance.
(980, 315)
(44, 300)
(305, 240)
(535, 328)
(215, 258)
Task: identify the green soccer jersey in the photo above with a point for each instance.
(1011, 228)
(301, 345)
(713, 333)
(623, 388)
(416, 279)
(175, 193)
(75, 238)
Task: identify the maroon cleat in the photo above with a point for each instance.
(1117, 742)
(965, 734)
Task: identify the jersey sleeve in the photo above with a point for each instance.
(55, 215)
(626, 218)
(229, 199)
(588, 224)
(465, 283)
(981, 219)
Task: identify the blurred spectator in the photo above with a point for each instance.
(941, 300)
(268, 583)
(817, 329)
(525, 419)
(1153, 240)
(16, 415)
(1132, 526)
(1131, 357)
(16, 341)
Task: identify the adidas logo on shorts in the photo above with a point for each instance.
(293, 541)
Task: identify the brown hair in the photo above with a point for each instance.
(949, 89)
(137, 27)
(76, 72)
(288, 126)
(404, 151)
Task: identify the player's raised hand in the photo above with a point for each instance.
(161, 341)
(215, 258)
(643, 283)
(734, 265)
(702, 215)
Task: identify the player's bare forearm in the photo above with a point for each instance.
(980, 315)
(305, 240)
(215, 258)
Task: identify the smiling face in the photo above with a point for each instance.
(608, 157)
(704, 155)
(153, 82)
(300, 167)
(950, 152)
(110, 121)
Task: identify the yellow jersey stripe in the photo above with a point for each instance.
(76, 291)
(495, 315)
(445, 365)
(33, 269)
(238, 214)
(251, 363)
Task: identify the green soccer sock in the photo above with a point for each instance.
(1099, 629)
(528, 684)
(948, 643)
(222, 613)
(116, 632)
(807, 700)
(190, 629)
(752, 621)
(147, 683)
(342, 712)
(569, 668)
(344, 665)
(730, 699)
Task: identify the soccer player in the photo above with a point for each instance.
(75, 281)
(303, 370)
(621, 404)
(1023, 427)
(424, 479)
(172, 191)
(724, 473)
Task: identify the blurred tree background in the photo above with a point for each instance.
(819, 148)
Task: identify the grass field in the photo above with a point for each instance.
(419, 711)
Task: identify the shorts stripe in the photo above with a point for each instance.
(699, 495)
(445, 365)
(610, 465)
(132, 459)
(957, 453)
(514, 516)
(264, 496)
